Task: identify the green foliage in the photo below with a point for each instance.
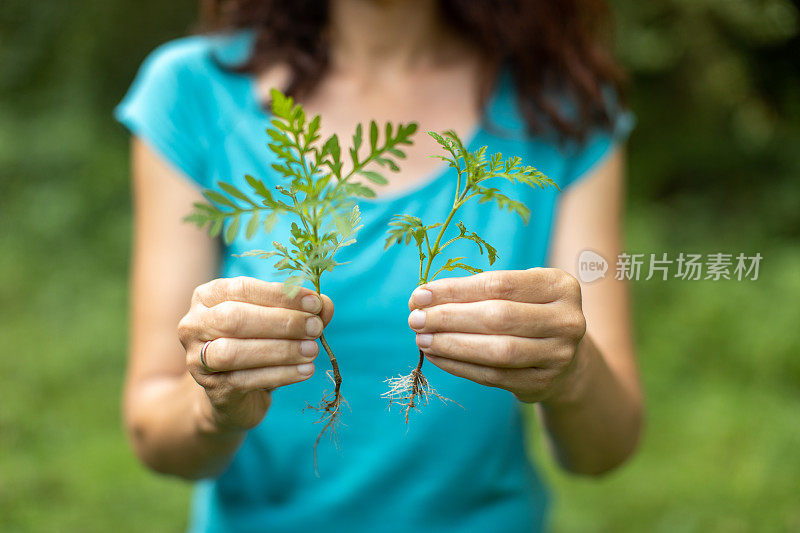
(319, 194)
(714, 89)
(473, 170)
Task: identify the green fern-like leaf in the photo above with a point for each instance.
(472, 170)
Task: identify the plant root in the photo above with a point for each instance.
(412, 390)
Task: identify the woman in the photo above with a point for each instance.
(525, 78)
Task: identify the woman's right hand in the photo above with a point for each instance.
(260, 339)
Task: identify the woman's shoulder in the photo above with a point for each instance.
(196, 56)
(178, 96)
(575, 156)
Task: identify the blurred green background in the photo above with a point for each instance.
(714, 166)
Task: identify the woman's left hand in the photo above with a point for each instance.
(518, 330)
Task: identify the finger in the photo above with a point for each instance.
(493, 317)
(249, 321)
(327, 310)
(270, 377)
(501, 351)
(536, 285)
(503, 378)
(257, 292)
(226, 354)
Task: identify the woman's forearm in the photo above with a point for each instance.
(595, 424)
(171, 430)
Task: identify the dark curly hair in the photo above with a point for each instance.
(550, 47)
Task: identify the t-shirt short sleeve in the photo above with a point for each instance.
(597, 145)
(163, 107)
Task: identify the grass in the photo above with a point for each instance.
(719, 361)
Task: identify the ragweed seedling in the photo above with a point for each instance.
(473, 169)
(319, 195)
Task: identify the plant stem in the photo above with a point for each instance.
(458, 201)
(435, 248)
(330, 408)
(421, 360)
(420, 265)
(337, 377)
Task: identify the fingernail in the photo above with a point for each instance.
(424, 340)
(422, 297)
(416, 320)
(306, 369)
(308, 348)
(313, 326)
(311, 303)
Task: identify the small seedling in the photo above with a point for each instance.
(321, 198)
(473, 169)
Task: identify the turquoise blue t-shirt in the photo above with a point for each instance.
(451, 469)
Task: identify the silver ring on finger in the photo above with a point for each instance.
(203, 358)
